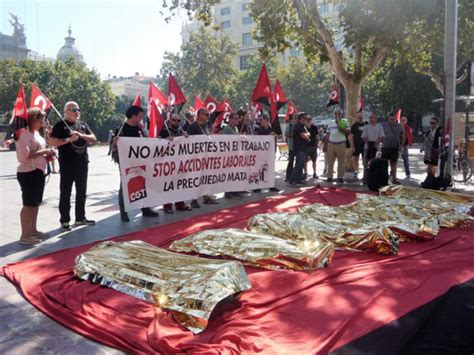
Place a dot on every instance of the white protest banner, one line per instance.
(156, 171)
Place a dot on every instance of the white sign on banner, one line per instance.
(156, 171)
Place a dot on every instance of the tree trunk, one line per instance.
(352, 91)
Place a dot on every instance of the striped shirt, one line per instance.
(373, 133)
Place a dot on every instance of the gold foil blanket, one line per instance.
(188, 286)
(259, 249)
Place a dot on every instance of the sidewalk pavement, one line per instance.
(24, 329)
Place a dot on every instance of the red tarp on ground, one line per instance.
(284, 312)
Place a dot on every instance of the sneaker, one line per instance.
(195, 204)
(408, 176)
(315, 176)
(66, 227)
(340, 181)
(85, 222)
(257, 190)
(124, 217)
(210, 201)
(274, 189)
(396, 182)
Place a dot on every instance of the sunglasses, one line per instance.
(175, 120)
(75, 109)
(432, 122)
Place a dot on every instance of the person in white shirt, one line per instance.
(31, 154)
(336, 148)
(373, 135)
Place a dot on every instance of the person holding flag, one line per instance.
(31, 154)
(72, 136)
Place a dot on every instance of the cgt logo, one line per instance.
(136, 182)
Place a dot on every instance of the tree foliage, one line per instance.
(203, 66)
(60, 82)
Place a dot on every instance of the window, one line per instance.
(225, 11)
(246, 20)
(245, 7)
(225, 24)
(247, 39)
(244, 62)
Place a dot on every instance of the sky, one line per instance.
(116, 37)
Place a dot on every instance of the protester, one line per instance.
(301, 138)
(337, 147)
(373, 136)
(31, 153)
(431, 146)
(392, 144)
(264, 129)
(200, 127)
(245, 125)
(169, 132)
(232, 126)
(408, 144)
(109, 141)
(358, 146)
(72, 136)
(190, 118)
(289, 140)
(130, 128)
(312, 145)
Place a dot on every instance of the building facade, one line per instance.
(14, 46)
(232, 18)
(130, 86)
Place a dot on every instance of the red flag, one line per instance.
(398, 115)
(19, 114)
(333, 97)
(197, 104)
(224, 106)
(263, 89)
(273, 109)
(155, 95)
(210, 104)
(156, 121)
(38, 99)
(280, 98)
(176, 98)
(291, 110)
(138, 101)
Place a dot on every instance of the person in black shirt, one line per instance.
(130, 128)
(301, 138)
(358, 147)
(169, 132)
(312, 144)
(200, 127)
(72, 137)
(189, 120)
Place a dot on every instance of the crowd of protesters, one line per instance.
(70, 137)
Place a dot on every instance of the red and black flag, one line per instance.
(290, 110)
(333, 97)
(176, 98)
(197, 105)
(158, 100)
(263, 89)
(280, 98)
(223, 111)
(19, 118)
(38, 99)
(138, 101)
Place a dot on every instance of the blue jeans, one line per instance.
(297, 174)
(406, 162)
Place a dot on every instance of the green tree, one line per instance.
(60, 82)
(203, 66)
(423, 43)
(393, 86)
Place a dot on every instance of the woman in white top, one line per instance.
(31, 153)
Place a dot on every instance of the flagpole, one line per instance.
(60, 116)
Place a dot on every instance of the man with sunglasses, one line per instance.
(173, 129)
(200, 127)
(72, 136)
